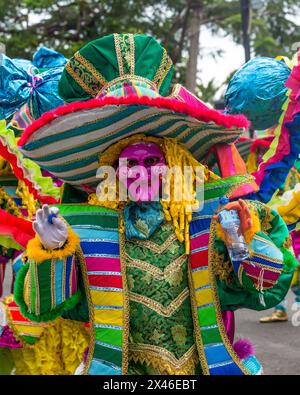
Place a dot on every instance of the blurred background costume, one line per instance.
(271, 101)
(27, 89)
(138, 288)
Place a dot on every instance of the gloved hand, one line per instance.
(52, 235)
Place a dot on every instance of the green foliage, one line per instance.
(207, 91)
(272, 30)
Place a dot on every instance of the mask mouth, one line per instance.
(143, 193)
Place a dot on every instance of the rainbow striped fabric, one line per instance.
(25, 329)
(218, 356)
(98, 229)
(42, 296)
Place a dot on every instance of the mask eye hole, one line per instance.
(132, 162)
(152, 160)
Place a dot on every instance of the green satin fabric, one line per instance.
(174, 333)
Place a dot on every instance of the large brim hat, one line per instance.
(121, 81)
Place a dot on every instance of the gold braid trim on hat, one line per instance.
(176, 154)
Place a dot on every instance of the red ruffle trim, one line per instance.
(18, 229)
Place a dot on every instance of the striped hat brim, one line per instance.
(243, 145)
(68, 141)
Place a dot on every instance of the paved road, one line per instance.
(277, 344)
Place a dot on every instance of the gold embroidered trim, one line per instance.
(132, 54)
(125, 338)
(145, 118)
(163, 359)
(150, 245)
(27, 290)
(225, 339)
(266, 280)
(128, 77)
(164, 68)
(79, 81)
(266, 222)
(158, 307)
(95, 73)
(6, 301)
(263, 240)
(37, 294)
(8, 203)
(266, 257)
(287, 243)
(240, 274)
(52, 283)
(119, 53)
(155, 271)
(221, 268)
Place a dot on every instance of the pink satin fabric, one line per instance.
(229, 323)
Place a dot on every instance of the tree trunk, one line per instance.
(194, 33)
(246, 26)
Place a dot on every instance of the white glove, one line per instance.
(52, 235)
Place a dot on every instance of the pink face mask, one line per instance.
(140, 168)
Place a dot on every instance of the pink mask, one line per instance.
(140, 166)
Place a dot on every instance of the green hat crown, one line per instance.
(115, 59)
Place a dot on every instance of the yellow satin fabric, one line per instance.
(291, 212)
(58, 352)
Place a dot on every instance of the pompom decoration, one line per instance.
(244, 348)
(258, 91)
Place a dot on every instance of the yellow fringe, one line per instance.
(176, 154)
(59, 351)
(37, 253)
